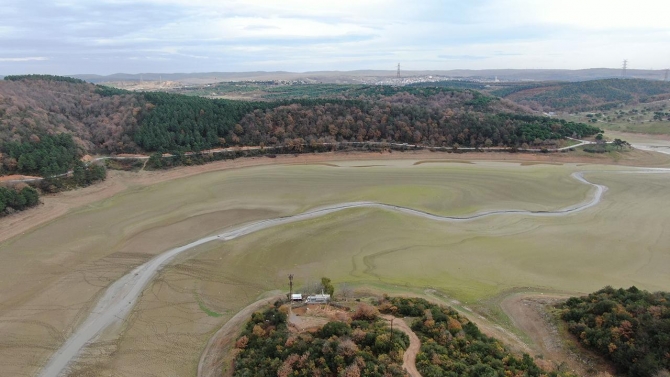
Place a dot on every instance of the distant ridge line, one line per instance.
(344, 76)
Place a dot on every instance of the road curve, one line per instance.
(120, 297)
(409, 358)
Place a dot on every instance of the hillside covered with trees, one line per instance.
(34, 106)
(585, 95)
(34, 109)
(363, 347)
(452, 346)
(629, 327)
(360, 344)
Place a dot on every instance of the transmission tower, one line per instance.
(398, 75)
(625, 65)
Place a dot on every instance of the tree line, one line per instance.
(44, 78)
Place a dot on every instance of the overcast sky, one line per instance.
(110, 36)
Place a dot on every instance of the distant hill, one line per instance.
(585, 95)
(356, 76)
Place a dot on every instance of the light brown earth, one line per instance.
(529, 313)
(217, 357)
(15, 177)
(34, 318)
(117, 181)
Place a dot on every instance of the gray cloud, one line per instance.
(108, 36)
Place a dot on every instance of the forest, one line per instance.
(271, 90)
(97, 121)
(585, 95)
(426, 116)
(35, 109)
(452, 346)
(362, 347)
(629, 327)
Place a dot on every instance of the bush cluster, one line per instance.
(363, 347)
(629, 327)
(452, 346)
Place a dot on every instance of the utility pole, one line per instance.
(398, 75)
(625, 65)
(290, 287)
(392, 330)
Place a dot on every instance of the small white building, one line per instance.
(318, 299)
(296, 297)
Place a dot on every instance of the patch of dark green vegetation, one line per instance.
(108, 91)
(366, 92)
(82, 175)
(125, 164)
(508, 89)
(44, 78)
(364, 347)
(629, 327)
(45, 155)
(587, 95)
(13, 199)
(451, 84)
(452, 346)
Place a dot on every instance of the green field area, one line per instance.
(478, 259)
(53, 275)
(649, 127)
(650, 118)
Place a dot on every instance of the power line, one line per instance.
(625, 65)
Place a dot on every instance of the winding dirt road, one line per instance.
(122, 295)
(409, 358)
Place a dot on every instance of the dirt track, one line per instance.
(214, 356)
(528, 313)
(409, 358)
